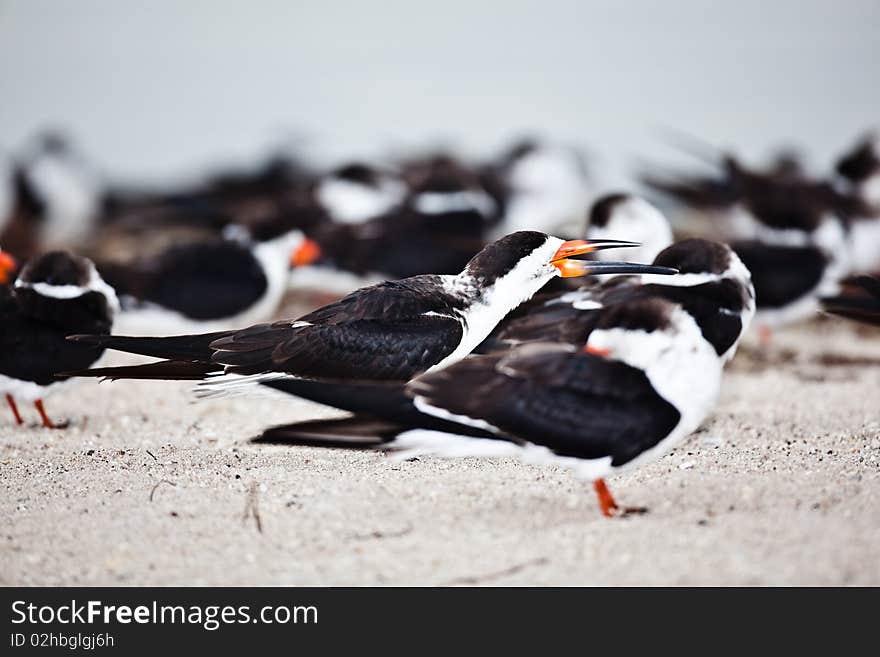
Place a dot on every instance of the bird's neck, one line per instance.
(501, 295)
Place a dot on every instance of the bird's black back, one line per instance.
(33, 330)
(206, 281)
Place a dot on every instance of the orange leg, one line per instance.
(609, 505)
(606, 500)
(765, 333)
(46, 421)
(11, 402)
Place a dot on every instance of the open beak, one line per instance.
(570, 268)
(305, 254)
(579, 247)
(8, 267)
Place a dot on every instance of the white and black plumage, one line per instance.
(55, 295)
(712, 285)
(627, 214)
(789, 230)
(54, 198)
(645, 379)
(210, 285)
(445, 206)
(357, 192)
(859, 170)
(859, 300)
(546, 187)
(390, 331)
(859, 175)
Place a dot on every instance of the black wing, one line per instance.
(390, 331)
(781, 274)
(701, 193)
(574, 403)
(860, 300)
(201, 281)
(34, 349)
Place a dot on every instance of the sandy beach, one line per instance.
(149, 487)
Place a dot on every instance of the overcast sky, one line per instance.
(158, 88)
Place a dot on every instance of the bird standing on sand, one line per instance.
(390, 331)
(645, 379)
(55, 295)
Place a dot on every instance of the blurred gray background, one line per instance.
(159, 89)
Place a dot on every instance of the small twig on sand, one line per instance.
(252, 507)
(488, 577)
(153, 455)
(159, 483)
(377, 534)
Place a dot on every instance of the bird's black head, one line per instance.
(358, 172)
(861, 162)
(696, 256)
(649, 314)
(603, 209)
(440, 173)
(66, 290)
(57, 268)
(502, 256)
(714, 287)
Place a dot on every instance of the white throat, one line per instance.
(489, 306)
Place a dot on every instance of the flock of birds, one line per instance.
(460, 332)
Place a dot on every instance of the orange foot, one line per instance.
(765, 334)
(609, 506)
(46, 421)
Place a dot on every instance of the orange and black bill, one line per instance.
(306, 253)
(8, 267)
(569, 268)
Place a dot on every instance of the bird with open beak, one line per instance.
(391, 331)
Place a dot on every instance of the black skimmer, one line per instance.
(391, 331)
(789, 230)
(357, 192)
(859, 176)
(547, 187)
(627, 214)
(55, 198)
(644, 380)
(859, 300)
(212, 285)
(859, 170)
(55, 295)
(712, 285)
(446, 207)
